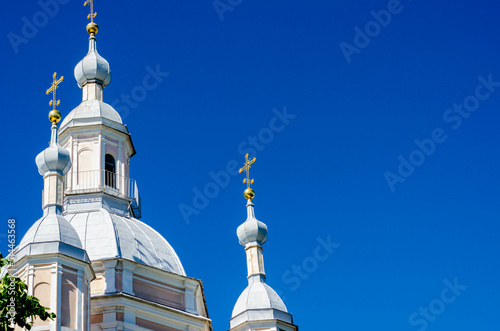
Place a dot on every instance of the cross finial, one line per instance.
(246, 168)
(54, 115)
(92, 13)
(53, 88)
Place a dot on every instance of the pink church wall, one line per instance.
(69, 297)
(97, 318)
(41, 289)
(149, 291)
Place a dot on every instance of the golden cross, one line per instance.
(92, 14)
(53, 88)
(246, 168)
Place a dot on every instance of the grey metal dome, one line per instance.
(252, 230)
(90, 110)
(54, 158)
(93, 67)
(50, 228)
(51, 234)
(258, 296)
(105, 235)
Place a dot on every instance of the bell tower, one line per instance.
(98, 141)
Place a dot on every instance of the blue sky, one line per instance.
(374, 124)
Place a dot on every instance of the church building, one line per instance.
(92, 261)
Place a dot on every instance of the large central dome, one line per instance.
(105, 236)
(99, 195)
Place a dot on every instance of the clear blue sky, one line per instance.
(353, 163)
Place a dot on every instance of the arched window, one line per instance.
(110, 170)
(42, 291)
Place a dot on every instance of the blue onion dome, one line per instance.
(252, 230)
(54, 159)
(93, 67)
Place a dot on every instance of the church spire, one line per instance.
(53, 162)
(259, 306)
(92, 73)
(252, 233)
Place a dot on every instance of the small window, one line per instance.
(110, 173)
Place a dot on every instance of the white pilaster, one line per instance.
(110, 276)
(74, 158)
(109, 315)
(190, 295)
(80, 302)
(55, 295)
(102, 152)
(70, 176)
(96, 153)
(88, 305)
(128, 277)
(119, 170)
(30, 282)
(129, 316)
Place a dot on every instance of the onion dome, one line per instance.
(93, 67)
(54, 159)
(252, 230)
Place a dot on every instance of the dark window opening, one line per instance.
(110, 173)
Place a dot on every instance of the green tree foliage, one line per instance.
(16, 306)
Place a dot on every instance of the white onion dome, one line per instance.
(93, 67)
(54, 159)
(252, 230)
